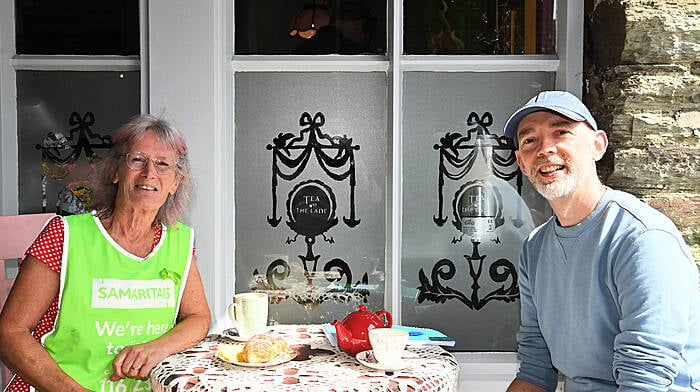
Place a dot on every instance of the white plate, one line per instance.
(281, 358)
(237, 338)
(232, 334)
(367, 358)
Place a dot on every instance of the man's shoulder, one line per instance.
(541, 232)
(636, 212)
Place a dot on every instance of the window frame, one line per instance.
(11, 63)
(482, 371)
(214, 217)
(567, 64)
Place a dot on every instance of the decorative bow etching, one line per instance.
(56, 148)
(458, 155)
(293, 153)
(311, 212)
(59, 154)
(455, 167)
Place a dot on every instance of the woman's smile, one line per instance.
(142, 186)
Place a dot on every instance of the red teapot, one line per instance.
(353, 332)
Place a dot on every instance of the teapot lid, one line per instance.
(361, 314)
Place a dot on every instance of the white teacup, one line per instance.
(248, 312)
(388, 344)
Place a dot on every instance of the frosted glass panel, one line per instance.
(466, 210)
(64, 123)
(310, 191)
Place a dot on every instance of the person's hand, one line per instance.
(135, 361)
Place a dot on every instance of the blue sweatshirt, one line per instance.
(611, 303)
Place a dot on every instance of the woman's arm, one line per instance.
(34, 289)
(191, 327)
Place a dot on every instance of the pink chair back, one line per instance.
(17, 232)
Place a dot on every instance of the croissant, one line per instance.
(262, 348)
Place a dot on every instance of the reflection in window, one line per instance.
(65, 120)
(81, 27)
(466, 208)
(348, 27)
(479, 27)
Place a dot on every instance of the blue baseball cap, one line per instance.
(561, 102)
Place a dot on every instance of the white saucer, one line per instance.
(367, 358)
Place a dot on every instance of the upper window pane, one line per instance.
(78, 27)
(479, 27)
(270, 27)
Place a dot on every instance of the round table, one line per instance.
(318, 367)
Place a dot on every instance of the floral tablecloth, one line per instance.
(317, 367)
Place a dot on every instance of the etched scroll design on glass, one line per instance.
(59, 154)
(500, 271)
(311, 212)
(454, 166)
(480, 162)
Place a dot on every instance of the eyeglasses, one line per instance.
(138, 160)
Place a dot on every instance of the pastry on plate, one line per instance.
(262, 348)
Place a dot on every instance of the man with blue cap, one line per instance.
(608, 287)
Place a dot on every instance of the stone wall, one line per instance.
(642, 83)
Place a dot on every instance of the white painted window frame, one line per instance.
(10, 63)
(478, 371)
(184, 40)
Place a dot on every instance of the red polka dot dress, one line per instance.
(48, 247)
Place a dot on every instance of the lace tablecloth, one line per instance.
(318, 367)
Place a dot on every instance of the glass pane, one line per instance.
(310, 185)
(466, 210)
(310, 27)
(479, 27)
(81, 27)
(64, 123)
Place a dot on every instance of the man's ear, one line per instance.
(600, 144)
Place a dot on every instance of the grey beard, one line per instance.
(556, 189)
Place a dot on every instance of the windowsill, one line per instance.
(486, 371)
(75, 63)
(374, 63)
